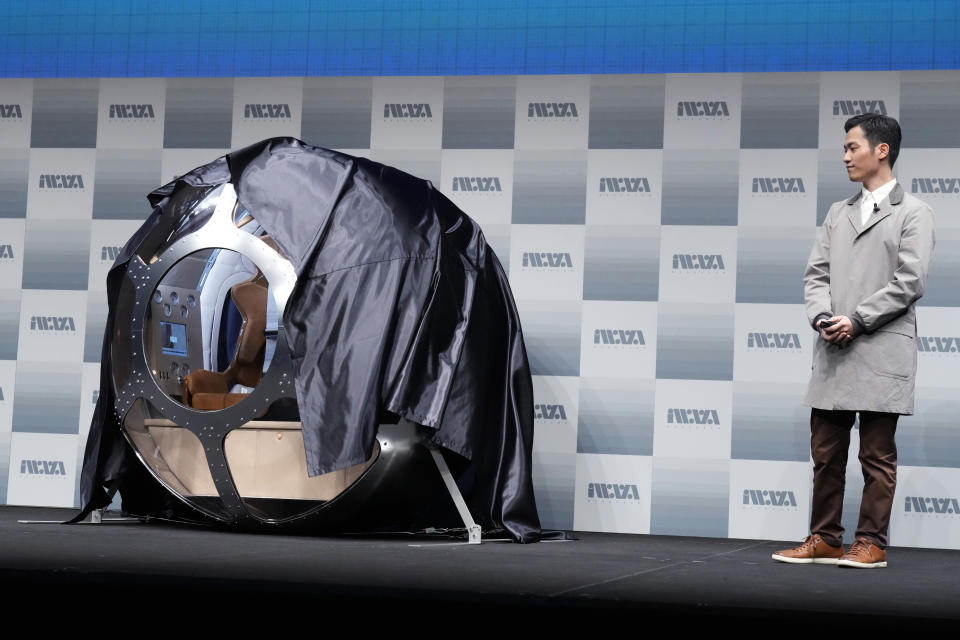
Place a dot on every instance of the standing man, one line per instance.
(867, 269)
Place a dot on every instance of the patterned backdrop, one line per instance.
(655, 229)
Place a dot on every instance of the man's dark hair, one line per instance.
(877, 129)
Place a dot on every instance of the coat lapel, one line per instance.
(853, 212)
(886, 207)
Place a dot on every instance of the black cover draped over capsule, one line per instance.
(400, 306)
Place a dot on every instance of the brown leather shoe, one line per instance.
(813, 551)
(863, 554)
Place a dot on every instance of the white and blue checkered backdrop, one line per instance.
(655, 229)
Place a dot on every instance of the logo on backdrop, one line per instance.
(934, 506)
(714, 109)
(547, 261)
(407, 111)
(49, 325)
(698, 262)
(549, 413)
(43, 468)
(6, 253)
(132, 112)
(624, 186)
(773, 342)
(777, 186)
(1, 394)
(471, 183)
(94, 395)
(703, 418)
(612, 492)
(846, 108)
(109, 253)
(553, 110)
(770, 498)
(61, 182)
(624, 338)
(280, 111)
(11, 112)
(938, 344)
(935, 186)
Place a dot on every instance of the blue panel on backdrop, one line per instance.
(202, 38)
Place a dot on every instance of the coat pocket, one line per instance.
(905, 325)
(889, 353)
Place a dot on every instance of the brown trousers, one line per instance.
(829, 442)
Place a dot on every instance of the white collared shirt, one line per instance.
(868, 199)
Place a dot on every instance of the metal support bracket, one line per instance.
(473, 529)
(95, 517)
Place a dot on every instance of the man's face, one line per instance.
(861, 161)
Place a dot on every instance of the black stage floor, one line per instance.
(685, 582)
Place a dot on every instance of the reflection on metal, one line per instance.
(235, 453)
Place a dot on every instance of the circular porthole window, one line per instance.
(203, 375)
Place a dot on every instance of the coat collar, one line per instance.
(886, 208)
(896, 195)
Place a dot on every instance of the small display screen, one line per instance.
(173, 338)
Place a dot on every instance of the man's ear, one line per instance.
(883, 150)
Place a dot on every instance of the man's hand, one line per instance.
(840, 333)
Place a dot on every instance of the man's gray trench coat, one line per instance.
(873, 274)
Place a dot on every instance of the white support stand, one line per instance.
(473, 529)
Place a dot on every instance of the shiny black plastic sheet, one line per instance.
(400, 306)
